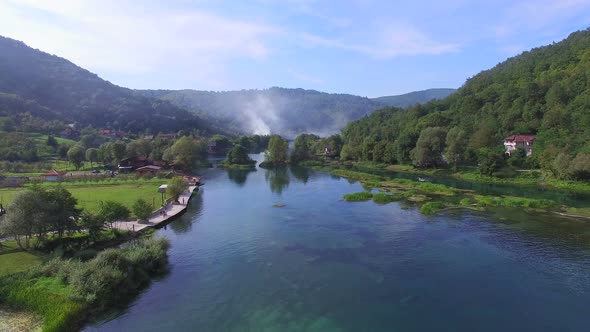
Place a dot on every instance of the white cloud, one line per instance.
(124, 37)
(390, 41)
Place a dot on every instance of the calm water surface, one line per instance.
(238, 263)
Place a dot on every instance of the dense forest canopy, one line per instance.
(36, 86)
(544, 92)
(288, 112)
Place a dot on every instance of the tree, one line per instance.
(92, 155)
(429, 147)
(176, 187)
(111, 211)
(456, 143)
(517, 158)
(302, 148)
(238, 155)
(490, 160)
(580, 167)
(39, 212)
(62, 151)
(140, 147)
(93, 224)
(118, 150)
(277, 150)
(60, 212)
(185, 153)
(142, 209)
(23, 218)
(52, 142)
(76, 156)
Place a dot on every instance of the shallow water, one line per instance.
(238, 263)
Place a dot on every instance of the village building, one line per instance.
(515, 142)
(130, 164)
(171, 136)
(53, 176)
(148, 170)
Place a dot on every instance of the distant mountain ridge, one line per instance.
(53, 88)
(415, 97)
(285, 111)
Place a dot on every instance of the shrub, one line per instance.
(383, 198)
(465, 202)
(431, 208)
(142, 209)
(358, 197)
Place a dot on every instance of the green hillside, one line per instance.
(415, 97)
(544, 92)
(40, 92)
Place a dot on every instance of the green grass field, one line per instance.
(90, 195)
(13, 260)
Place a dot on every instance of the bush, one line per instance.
(383, 198)
(142, 209)
(465, 202)
(431, 208)
(358, 197)
(63, 291)
(111, 211)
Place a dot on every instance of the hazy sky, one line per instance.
(364, 47)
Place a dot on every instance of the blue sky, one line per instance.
(364, 47)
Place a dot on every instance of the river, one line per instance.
(241, 261)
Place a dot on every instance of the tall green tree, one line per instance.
(456, 144)
(276, 153)
(76, 156)
(118, 150)
(92, 155)
(238, 155)
(429, 148)
(176, 187)
(303, 148)
(186, 152)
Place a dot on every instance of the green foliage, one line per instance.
(176, 187)
(42, 91)
(303, 148)
(384, 198)
(76, 155)
(358, 197)
(430, 208)
(514, 202)
(238, 155)
(354, 175)
(142, 209)
(65, 291)
(429, 147)
(186, 152)
(33, 214)
(277, 151)
(118, 150)
(542, 92)
(111, 211)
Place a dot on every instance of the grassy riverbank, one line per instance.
(89, 194)
(64, 292)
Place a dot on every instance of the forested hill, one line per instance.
(36, 87)
(545, 91)
(415, 97)
(281, 110)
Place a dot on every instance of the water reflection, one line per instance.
(185, 223)
(239, 176)
(278, 178)
(301, 173)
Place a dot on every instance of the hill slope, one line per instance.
(545, 91)
(286, 111)
(415, 97)
(52, 88)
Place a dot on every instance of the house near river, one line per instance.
(515, 142)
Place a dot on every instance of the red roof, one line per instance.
(53, 173)
(520, 138)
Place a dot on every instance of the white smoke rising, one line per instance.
(261, 115)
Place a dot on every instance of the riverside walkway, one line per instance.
(172, 210)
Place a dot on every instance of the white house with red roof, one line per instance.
(514, 142)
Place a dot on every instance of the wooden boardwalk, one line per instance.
(172, 210)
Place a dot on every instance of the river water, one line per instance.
(240, 261)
